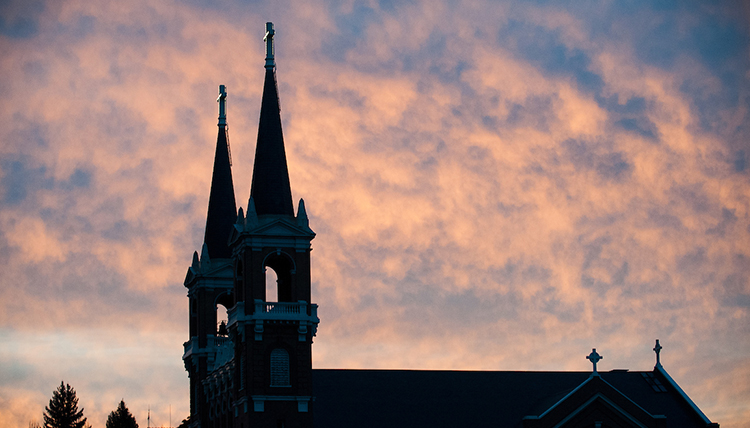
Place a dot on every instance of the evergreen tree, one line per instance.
(62, 411)
(121, 418)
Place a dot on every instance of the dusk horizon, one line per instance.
(494, 186)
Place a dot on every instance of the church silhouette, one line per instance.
(255, 370)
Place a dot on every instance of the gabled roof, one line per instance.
(270, 187)
(222, 208)
(410, 398)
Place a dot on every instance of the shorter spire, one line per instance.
(222, 207)
(270, 62)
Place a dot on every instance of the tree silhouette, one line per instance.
(121, 418)
(185, 423)
(62, 411)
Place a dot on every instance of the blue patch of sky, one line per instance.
(562, 311)
(634, 105)
(20, 180)
(630, 116)
(641, 126)
(732, 290)
(80, 178)
(610, 166)
(740, 161)
(350, 29)
(535, 111)
(728, 218)
(19, 19)
(543, 48)
(662, 218)
(710, 33)
(692, 261)
(431, 57)
(601, 287)
(78, 28)
(613, 166)
(593, 251)
(716, 40)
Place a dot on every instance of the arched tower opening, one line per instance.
(272, 285)
(279, 278)
(224, 302)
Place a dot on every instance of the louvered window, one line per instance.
(279, 367)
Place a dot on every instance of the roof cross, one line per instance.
(270, 63)
(657, 349)
(594, 357)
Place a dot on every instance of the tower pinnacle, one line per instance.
(222, 208)
(270, 187)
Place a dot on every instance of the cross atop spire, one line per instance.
(222, 100)
(270, 63)
(594, 357)
(657, 349)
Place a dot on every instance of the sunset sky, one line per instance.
(494, 186)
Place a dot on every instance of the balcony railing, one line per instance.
(213, 344)
(277, 311)
(284, 310)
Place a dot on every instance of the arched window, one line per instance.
(279, 367)
(272, 285)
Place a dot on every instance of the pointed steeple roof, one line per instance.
(222, 208)
(270, 187)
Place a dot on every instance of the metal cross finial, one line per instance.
(594, 357)
(222, 100)
(270, 63)
(657, 349)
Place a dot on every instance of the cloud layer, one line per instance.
(497, 186)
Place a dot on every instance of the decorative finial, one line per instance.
(594, 357)
(222, 100)
(270, 63)
(302, 219)
(657, 349)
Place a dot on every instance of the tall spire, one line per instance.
(222, 208)
(270, 188)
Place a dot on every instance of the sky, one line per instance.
(494, 186)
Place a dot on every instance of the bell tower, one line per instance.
(210, 280)
(272, 339)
